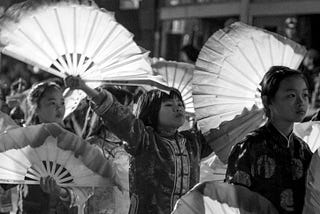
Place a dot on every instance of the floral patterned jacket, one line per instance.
(162, 169)
(273, 165)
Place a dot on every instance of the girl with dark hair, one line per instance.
(272, 160)
(47, 106)
(164, 163)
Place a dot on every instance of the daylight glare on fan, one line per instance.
(74, 38)
(177, 75)
(29, 153)
(223, 198)
(228, 71)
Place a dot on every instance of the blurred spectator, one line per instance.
(310, 67)
(291, 31)
(188, 54)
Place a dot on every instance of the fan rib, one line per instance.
(69, 63)
(63, 174)
(182, 80)
(270, 50)
(74, 56)
(115, 52)
(15, 160)
(54, 170)
(283, 55)
(260, 59)
(103, 42)
(41, 50)
(37, 170)
(122, 63)
(43, 169)
(175, 74)
(62, 166)
(185, 86)
(65, 180)
(63, 64)
(34, 177)
(22, 174)
(247, 59)
(249, 63)
(81, 68)
(167, 75)
(219, 40)
(47, 161)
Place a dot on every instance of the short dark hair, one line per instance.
(149, 104)
(271, 81)
(35, 95)
(97, 125)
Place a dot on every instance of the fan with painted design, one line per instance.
(74, 38)
(29, 153)
(226, 80)
(177, 75)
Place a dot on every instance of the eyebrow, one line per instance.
(291, 89)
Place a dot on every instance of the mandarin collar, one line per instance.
(276, 133)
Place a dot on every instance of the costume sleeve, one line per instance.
(312, 196)
(239, 165)
(77, 196)
(124, 124)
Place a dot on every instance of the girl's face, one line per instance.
(51, 107)
(290, 102)
(171, 114)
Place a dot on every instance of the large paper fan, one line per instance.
(226, 80)
(230, 67)
(310, 133)
(74, 38)
(177, 75)
(223, 198)
(29, 153)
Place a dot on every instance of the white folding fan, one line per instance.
(29, 153)
(228, 71)
(310, 133)
(177, 75)
(6, 122)
(223, 198)
(74, 38)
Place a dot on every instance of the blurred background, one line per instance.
(165, 26)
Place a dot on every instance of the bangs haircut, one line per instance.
(37, 91)
(149, 105)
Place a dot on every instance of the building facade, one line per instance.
(194, 21)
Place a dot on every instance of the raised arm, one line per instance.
(119, 119)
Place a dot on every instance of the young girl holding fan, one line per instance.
(272, 160)
(165, 162)
(47, 106)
